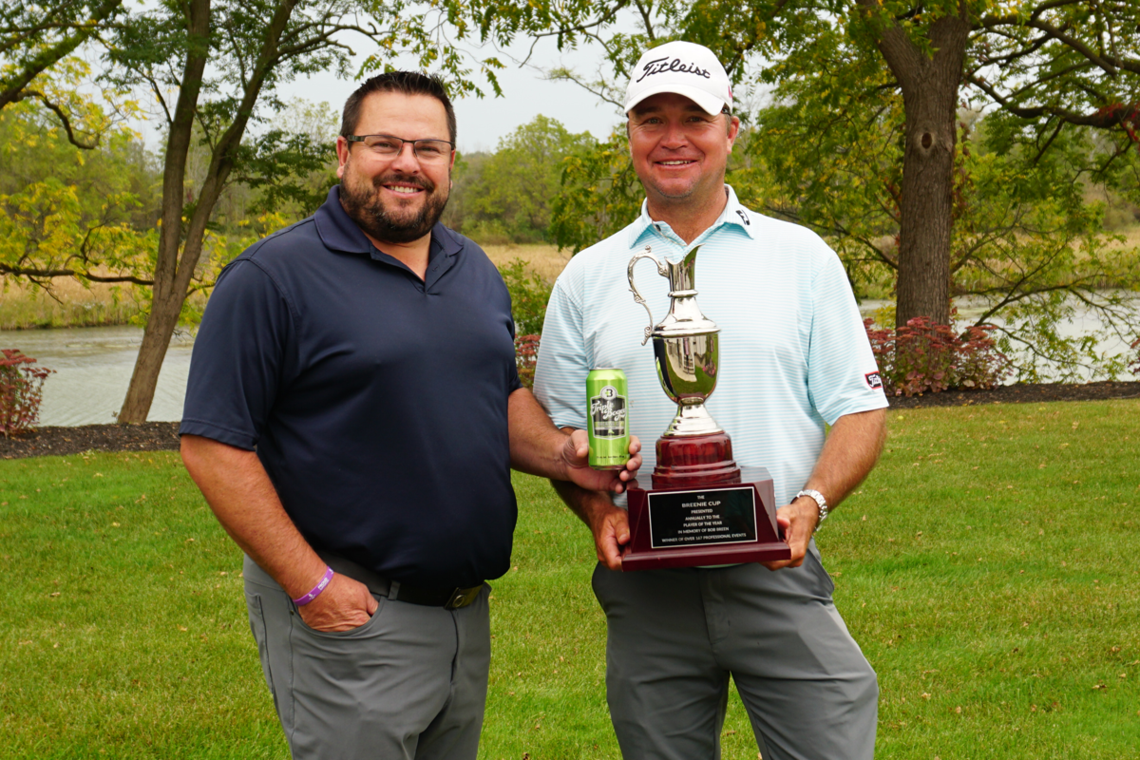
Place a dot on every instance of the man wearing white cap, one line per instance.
(794, 360)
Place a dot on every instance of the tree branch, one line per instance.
(34, 272)
(63, 118)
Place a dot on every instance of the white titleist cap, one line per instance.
(683, 68)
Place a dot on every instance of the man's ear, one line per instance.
(341, 156)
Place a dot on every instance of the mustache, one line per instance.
(423, 183)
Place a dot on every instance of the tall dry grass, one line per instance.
(67, 303)
(544, 260)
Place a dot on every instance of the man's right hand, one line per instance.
(343, 605)
(610, 526)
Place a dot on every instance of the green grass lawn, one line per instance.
(989, 568)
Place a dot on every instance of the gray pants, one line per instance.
(676, 636)
(409, 683)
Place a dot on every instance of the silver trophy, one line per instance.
(702, 508)
(684, 345)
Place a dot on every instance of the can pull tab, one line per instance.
(661, 270)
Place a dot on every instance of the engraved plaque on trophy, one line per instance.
(702, 509)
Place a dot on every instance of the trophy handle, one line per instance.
(661, 270)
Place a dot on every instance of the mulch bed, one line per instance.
(60, 441)
(1023, 394)
(163, 436)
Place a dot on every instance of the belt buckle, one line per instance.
(461, 597)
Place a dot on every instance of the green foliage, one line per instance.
(37, 38)
(288, 172)
(529, 295)
(63, 210)
(1027, 248)
(468, 168)
(830, 148)
(511, 194)
(21, 391)
(600, 195)
(92, 214)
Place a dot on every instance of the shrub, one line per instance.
(526, 356)
(21, 390)
(1135, 365)
(921, 357)
(529, 294)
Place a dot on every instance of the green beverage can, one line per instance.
(607, 394)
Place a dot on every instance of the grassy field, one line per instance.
(987, 568)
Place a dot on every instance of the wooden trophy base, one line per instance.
(702, 509)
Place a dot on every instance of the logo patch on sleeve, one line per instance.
(874, 380)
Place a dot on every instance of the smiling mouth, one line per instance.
(404, 189)
(676, 162)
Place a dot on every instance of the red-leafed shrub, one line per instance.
(526, 356)
(924, 358)
(21, 389)
(1135, 365)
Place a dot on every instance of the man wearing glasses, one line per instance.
(352, 414)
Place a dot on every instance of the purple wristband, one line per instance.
(302, 601)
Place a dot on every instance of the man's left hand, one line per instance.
(576, 455)
(797, 521)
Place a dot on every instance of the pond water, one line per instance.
(93, 367)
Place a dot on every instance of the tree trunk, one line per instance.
(156, 339)
(166, 303)
(930, 99)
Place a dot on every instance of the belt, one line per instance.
(448, 598)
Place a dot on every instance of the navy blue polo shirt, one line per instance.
(376, 401)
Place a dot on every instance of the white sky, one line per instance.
(483, 122)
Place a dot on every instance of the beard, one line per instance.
(362, 202)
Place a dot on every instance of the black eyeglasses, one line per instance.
(427, 151)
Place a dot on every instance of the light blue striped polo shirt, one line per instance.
(793, 350)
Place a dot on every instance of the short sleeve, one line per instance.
(842, 373)
(560, 376)
(239, 358)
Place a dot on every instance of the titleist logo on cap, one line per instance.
(659, 66)
(681, 68)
